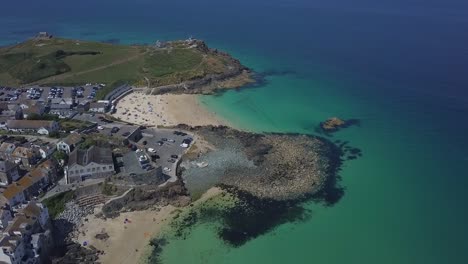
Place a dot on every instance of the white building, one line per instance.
(98, 107)
(94, 163)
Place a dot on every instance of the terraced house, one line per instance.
(31, 184)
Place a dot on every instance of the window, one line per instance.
(88, 170)
(110, 167)
(81, 170)
(94, 169)
(103, 168)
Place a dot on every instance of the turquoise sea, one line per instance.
(400, 67)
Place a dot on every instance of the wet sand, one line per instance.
(128, 241)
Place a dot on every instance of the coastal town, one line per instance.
(92, 172)
(58, 140)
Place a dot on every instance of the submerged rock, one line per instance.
(332, 124)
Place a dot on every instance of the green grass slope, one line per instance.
(72, 62)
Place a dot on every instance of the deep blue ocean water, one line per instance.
(398, 66)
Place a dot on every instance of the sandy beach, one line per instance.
(165, 110)
(128, 241)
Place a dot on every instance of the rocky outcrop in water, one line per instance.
(272, 166)
(334, 124)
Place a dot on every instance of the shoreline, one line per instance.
(166, 110)
(129, 241)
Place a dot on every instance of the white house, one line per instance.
(69, 143)
(46, 149)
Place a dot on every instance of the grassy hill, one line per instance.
(70, 62)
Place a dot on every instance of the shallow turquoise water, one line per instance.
(398, 66)
(403, 201)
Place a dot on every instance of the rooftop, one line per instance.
(28, 124)
(33, 209)
(97, 105)
(20, 223)
(23, 152)
(7, 147)
(10, 242)
(27, 180)
(6, 165)
(73, 138)
(93, 154)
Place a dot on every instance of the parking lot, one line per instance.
(166, 145)
(47, 93)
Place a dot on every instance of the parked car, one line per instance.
(174, 156)
(152, 150)
(171, 160)
(166, 169)
(115, 130)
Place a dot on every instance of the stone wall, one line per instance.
(116, 204)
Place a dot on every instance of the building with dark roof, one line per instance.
(91, 163)
(43, 127)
